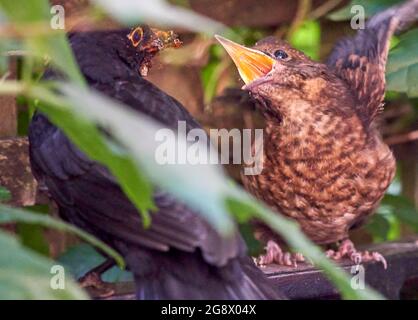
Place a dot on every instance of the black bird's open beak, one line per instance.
(251, 64)
(153, 40)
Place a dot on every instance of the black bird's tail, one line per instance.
(178, 275)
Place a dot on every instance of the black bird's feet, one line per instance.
(92, 280)
(274, 254)
(347, 250)
(95, 285)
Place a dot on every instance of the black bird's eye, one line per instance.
(136, 36)
(280, 54)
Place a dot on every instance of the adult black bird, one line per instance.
(180, 256)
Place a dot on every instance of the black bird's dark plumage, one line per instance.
(180, 256)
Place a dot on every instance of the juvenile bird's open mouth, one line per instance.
(251, 64)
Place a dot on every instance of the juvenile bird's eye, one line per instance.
(280, 54)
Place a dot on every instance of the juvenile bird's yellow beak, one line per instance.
(251, 64)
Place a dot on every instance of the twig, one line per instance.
(5, 76)
(323, 9)
(304, 6)
(402, 138)
(79, 23)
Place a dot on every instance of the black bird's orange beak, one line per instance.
(251, 64)
(153, 40)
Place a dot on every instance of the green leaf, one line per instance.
(4, 194)
(9, 214)
(402, 67)
(370, 7)
(159, 12)
(52, 44)
(379, 227)
(32, 236)
(27, 275)
(403, 208)
(307, 38)
(254, 246)
(210, 78)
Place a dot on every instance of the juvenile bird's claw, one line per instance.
(275, 255)
(347, 250)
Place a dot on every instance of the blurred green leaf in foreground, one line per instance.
(9, 215)
(27, 275)
(24, 274)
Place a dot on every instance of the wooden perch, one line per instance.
(307, 282)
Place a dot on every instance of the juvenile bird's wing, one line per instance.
(361, 60)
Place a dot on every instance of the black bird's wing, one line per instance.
(77, 181)
(361, 60)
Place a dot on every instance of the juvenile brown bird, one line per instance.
(324, 163)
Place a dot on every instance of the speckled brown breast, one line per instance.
(329, 176)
